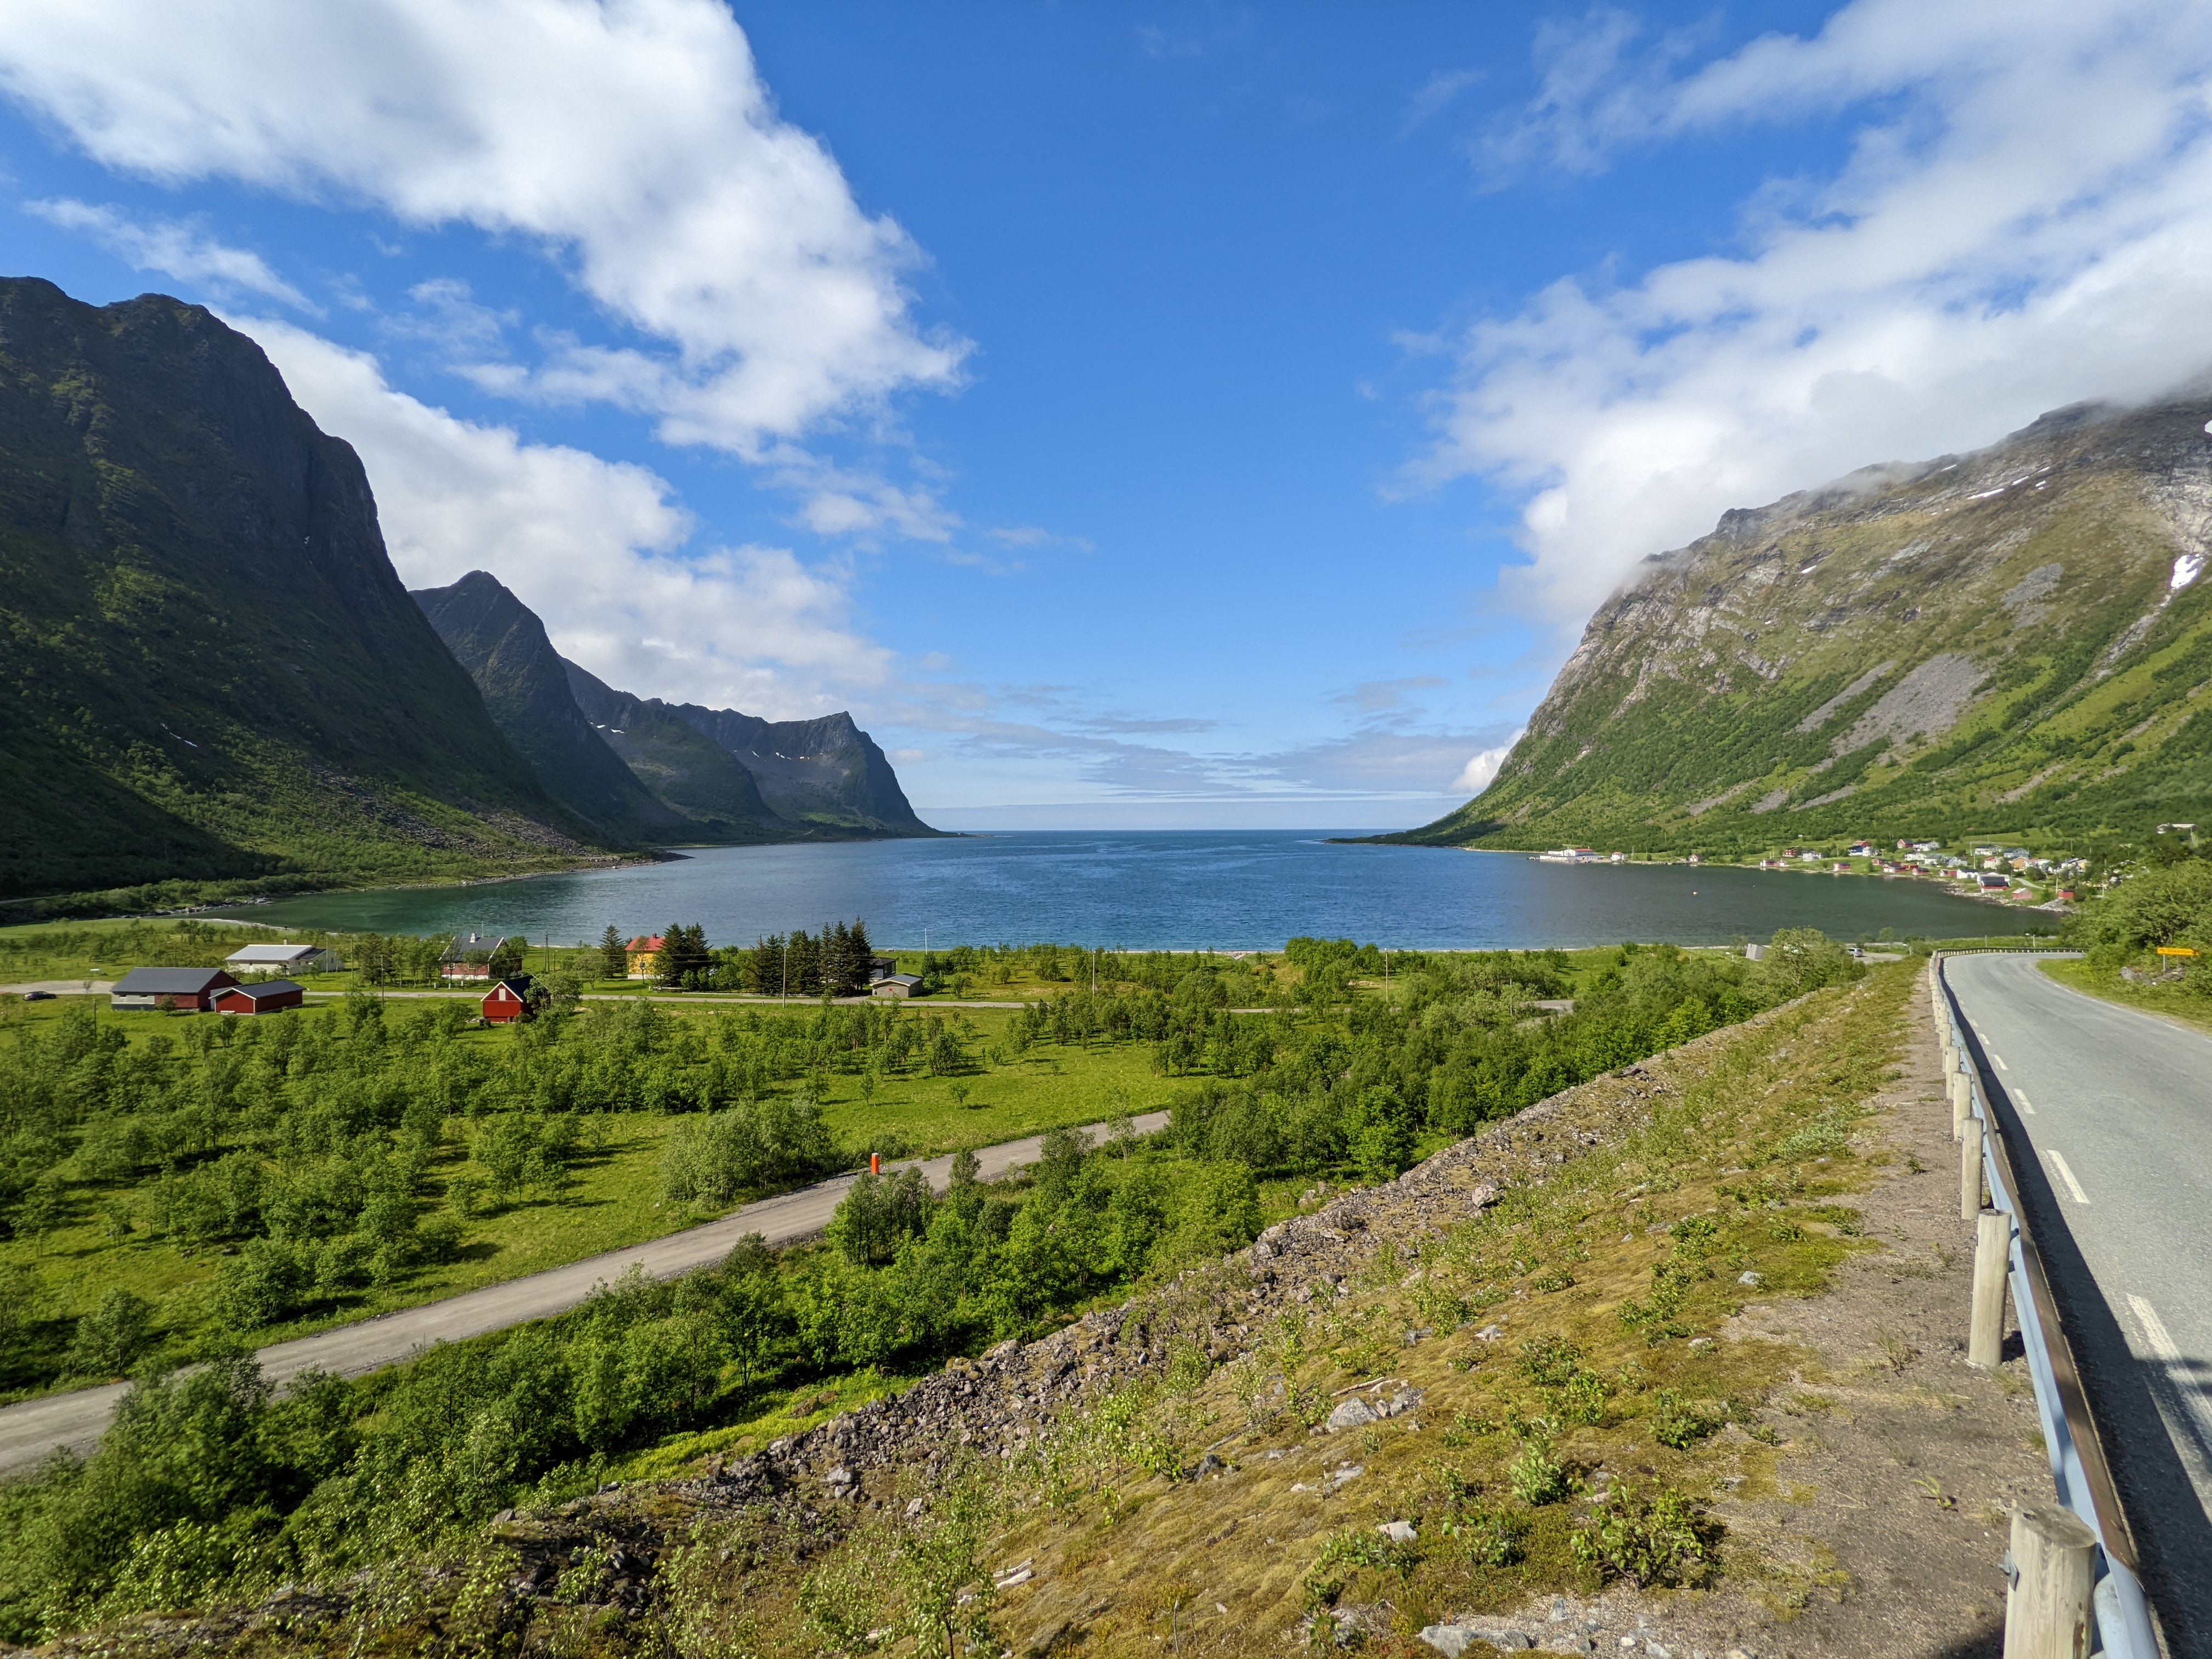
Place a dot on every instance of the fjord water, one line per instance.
(1162, 889)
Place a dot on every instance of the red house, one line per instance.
(508, 1002)
(264, 997)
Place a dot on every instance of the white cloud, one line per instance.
(1481, 769)
(633, 140)
(176, 249)
(1440, 91)
(597, 548)
(2024, 220)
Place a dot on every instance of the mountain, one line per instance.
(525, 684)
(826, 772)
(2015, 641)
(639, 769)
(688, 771)
(209, 670)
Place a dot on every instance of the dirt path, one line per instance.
(30, 1429)
(1901, 1460)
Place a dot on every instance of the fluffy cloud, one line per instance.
(182, 251)
(1481, 769)
(633, 140)
(597, 548)
(2024, 220)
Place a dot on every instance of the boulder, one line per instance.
(1353, 1414)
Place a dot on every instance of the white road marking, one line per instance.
(2058, 1162)
(2154, 1331)
(1999, 1058)
(2022, 1100)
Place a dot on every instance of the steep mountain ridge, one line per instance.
(209, 669)
(826, 772)
(690, 772)
(640, 769)
(525, 687)
(2013, 641)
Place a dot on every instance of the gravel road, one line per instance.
(31, 1430)
(2109, 1115)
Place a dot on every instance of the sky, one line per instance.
(1136, 416)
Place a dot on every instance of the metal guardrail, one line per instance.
(2078, 1469)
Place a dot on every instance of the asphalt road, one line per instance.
(2109, 1115)
(31, 1430)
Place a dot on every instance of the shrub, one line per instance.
(1488, 1538)
(269, 1279)
(1649, 1541)
(1345, 1553)
(1582, 1400)
(1538, 1477)
(110, 1338)
(1679, 1425)
(1550, 1362)
(1802, 959)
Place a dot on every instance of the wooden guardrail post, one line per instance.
(2054, 1566)
(1970, 1170)
(1992, 1262)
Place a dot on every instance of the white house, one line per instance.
(283, 959)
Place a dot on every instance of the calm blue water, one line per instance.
(1162, 889)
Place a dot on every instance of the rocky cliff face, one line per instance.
(826, 772)
(525, 684)
(209, 670)
(2015, 641)
(642, 770)
(690, 773)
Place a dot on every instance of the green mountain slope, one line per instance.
(689, 771)
(525, 684)
(209, 670)
(826, 772)
(2016, 641)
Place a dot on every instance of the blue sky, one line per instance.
(1136, 416)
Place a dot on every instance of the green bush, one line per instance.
(1348, 1552)
(1488, 1537)
(1660, 1540)
(269, 1280)
(1537, 1475)
(1680, 1425)
(110, 1338)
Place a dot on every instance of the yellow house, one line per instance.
(645, 956)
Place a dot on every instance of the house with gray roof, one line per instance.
(188, 989)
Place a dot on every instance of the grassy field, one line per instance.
(613, 1198)
(2177, 1002)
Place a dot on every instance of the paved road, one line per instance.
(29, 1430)
(2117, 1108)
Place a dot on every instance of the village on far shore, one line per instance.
(1989, 869)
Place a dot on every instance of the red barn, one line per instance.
(190, 990)
(265, 997)
(508, 1001)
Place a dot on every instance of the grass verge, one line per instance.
(2176, 1002)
